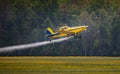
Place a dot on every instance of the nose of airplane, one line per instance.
(86, 26)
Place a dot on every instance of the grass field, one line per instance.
(59, 65)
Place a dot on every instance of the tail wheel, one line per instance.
(79, 36)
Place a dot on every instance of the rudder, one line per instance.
(49, 31)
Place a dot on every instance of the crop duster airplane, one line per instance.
(65, 31)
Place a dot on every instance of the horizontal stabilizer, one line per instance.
(50, 35)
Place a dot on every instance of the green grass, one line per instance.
(59, 65)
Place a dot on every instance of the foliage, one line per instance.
(25, 21)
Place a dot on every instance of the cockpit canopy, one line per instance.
(64, 28)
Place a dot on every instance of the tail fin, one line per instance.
(49, 31)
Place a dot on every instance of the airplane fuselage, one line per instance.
(67, 31)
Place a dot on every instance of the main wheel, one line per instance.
(79, 36)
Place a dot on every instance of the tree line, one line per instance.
(25, 21)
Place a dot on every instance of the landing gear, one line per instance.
(77, 36)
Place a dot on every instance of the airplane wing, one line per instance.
(66, 32)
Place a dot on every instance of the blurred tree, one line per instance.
(24, 21)
(116, 35)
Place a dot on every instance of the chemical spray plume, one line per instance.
(31, 45)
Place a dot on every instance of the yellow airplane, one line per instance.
(65, 31)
